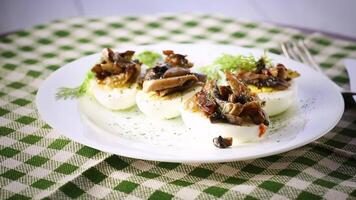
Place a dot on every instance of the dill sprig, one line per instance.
(73, 93)
(231, 63)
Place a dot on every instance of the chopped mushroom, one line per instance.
(232, 104)
(222, 143)
(171, 76)
(176, 60)
(277, 77)
(117, 69)
(166, 83)
(175, 71)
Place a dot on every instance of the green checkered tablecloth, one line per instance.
(37, 162)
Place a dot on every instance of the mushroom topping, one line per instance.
(166, 83)
(176, 60)
(232, 104)
(176, 71)
(222, 143)
(277, 77)
(117, 69)
(155, 72)
(171, 76)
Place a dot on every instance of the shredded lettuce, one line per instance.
(83, 88)
(231, 63)
(71, 93)
(148, 58)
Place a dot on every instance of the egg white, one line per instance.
(114, 98)
(204, 129)
(277, 102)
(163, 107)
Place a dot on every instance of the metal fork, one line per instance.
(297, 50)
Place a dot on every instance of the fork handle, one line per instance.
(349, 93)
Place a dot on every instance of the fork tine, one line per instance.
(299, 51)
(285, 50)
(304, 50)
(289, 49)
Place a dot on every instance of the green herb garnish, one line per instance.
(71, 93)
(230, 63)
(148, 58)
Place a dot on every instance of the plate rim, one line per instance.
(40, 108)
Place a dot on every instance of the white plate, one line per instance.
(319, 106)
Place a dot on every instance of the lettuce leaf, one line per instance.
(148, 58)
(231, 63)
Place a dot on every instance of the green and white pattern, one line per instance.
(36, 162)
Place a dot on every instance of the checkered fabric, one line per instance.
(37, 162)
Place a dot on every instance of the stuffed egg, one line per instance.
(167, 85)
(276, 101)
(274, 85)
(231, 112)
(115, 83)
